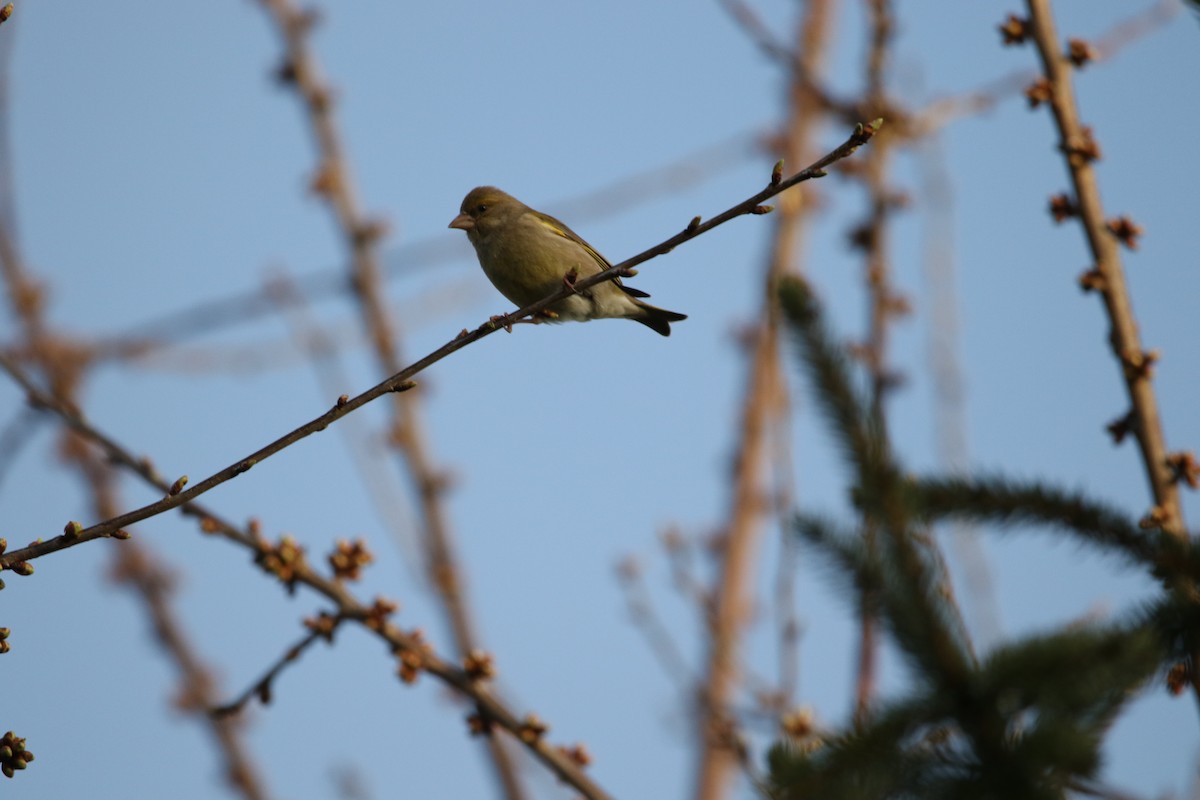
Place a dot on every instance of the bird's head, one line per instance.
(485, 209)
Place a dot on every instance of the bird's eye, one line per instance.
(482, 207)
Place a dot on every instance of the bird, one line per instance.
(528, 255)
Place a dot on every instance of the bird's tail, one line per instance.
(657, 319)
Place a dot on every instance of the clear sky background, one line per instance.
(157, 165)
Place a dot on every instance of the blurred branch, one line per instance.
(901, 571)
(261, 354)
(1095, 789)
(137, 568)
(286, 561)
(801, 67)
(656, 632)
(63, 364)
(361, 236)
(883, 303)
(1134, 28)
(490, 711)
(627, 193)
(177, 495)
(763, 406)
(943, 336)
(322, 351)
(13, 438)
(407, 259)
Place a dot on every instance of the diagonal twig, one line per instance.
(1074, 143)
(322, 627)
(401, 381)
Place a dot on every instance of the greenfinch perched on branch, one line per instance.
(528, 255)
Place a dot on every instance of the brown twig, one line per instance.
(718, 751)
(942, 111)
(1107, 277)
(264, 686)
(401, 381)
(1104, 246)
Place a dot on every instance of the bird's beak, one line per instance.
(462, 222)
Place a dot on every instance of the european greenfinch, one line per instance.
(528, 255)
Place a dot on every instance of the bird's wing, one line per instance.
(559, 228)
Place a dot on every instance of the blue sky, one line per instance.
(157, 165)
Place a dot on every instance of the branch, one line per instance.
(1107, 276)
(401, 381)
(322, 627)
(942, 111)
(361, 237)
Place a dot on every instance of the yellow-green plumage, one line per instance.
(526, 254)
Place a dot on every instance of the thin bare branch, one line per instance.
(14, 436)
(401, 381)
(322, 627)
(1107, 277)
(945, 110)
(1078, 149)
